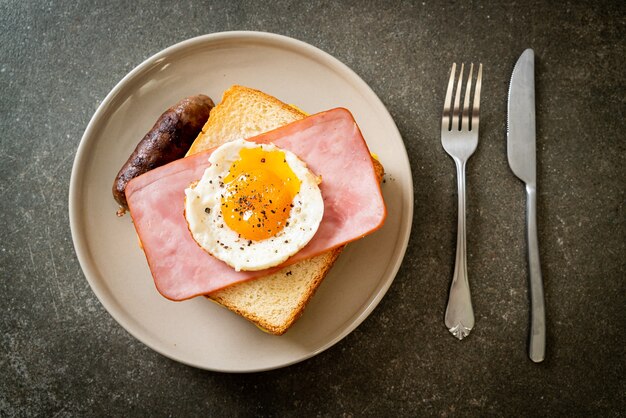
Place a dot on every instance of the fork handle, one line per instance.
(537, 344)
(459, 313)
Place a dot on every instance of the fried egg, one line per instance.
(255, 205)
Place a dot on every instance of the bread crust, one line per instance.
(228, 108)
(280, 329)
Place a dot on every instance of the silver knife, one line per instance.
(521, 152)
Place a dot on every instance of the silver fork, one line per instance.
(459, 137)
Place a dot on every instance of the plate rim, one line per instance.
(75, 216)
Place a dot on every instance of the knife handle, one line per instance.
(537, 346)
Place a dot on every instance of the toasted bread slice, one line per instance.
(272, 302)
(243, 113)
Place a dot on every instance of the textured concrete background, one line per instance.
(61, 354)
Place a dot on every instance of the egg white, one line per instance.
(206, 224)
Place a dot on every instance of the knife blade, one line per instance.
(521, 152)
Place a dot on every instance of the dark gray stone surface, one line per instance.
(61, 354)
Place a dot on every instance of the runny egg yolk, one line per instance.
(260, 188)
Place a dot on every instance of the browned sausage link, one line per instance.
(169, 139)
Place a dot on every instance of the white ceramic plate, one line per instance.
(198, 332)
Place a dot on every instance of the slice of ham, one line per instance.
(332, 146)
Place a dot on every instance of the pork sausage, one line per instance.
(169, 139)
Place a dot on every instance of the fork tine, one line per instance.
(457, 99)
(476, 107)
(445, 119)
(465, 123)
